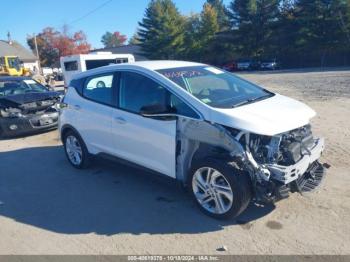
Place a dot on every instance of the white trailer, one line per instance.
(74, 64)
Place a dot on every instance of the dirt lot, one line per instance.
(47, 207)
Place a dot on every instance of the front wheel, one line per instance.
(221, 190)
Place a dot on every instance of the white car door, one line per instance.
(144, 141)
(95, 113)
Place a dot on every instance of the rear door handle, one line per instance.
(120, 120)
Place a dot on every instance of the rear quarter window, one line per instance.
(99, 89)
(71, 66)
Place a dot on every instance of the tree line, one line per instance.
(298, 33)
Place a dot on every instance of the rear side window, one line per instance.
(99, 89)
(71, 66)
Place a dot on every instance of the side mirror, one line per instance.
(158, 111)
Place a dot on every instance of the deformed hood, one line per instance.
(271, 116)
(29, 97)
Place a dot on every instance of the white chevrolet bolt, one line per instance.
(226, 139)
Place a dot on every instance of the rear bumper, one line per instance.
(17, 126)
(288, 174)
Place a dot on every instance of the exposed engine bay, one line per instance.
(285, 149)
(277, 165)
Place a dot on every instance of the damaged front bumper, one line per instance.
(304, 176)
(26, 124)
(288, 174)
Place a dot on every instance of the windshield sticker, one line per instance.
(29, 82)
(186, 74)
(214, 70)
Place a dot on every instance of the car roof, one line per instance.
(13, 78)
(150, 65)
(165, 64)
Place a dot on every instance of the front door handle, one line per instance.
(77, 107)
(120, 120)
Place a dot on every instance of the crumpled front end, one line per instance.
(277, 165)
(284, 163)
(22, 119)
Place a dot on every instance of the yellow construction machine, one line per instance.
(12, 66)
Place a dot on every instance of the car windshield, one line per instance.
(18, 87)
(215, 87)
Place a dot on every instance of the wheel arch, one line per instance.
(66, 128)
(205, 151)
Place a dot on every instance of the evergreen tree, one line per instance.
(192, 38)
(323, 26)
(200, 35)
(285, 33)
(208, 28)
(161, 31)
(134, 40)
(221, 11)
(251, 23)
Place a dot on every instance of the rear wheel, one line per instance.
(76, 151)
(220, 189)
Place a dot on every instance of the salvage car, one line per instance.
(229, 141)
(26, 107)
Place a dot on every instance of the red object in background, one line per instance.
(231, 66)
(64, 43)
(122, 38)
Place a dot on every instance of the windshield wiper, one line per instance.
(252, 100)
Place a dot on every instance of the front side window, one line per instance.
(137, 91)
(215, 87)
(99, 89)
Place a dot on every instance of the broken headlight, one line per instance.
(11, 112)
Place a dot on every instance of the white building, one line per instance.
(13, 48)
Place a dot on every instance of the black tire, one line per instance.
(85, 156)
(239, 181)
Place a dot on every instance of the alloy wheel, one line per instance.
(74, 150)
(212, 190)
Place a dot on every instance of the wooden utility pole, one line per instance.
(37, 53)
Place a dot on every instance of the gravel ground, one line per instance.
(47, 207)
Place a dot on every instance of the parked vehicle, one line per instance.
(247, 64)
(230, 66)
(47, 71)
(26, 107)
(227, 139)
(74, 64)
(270, 64)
